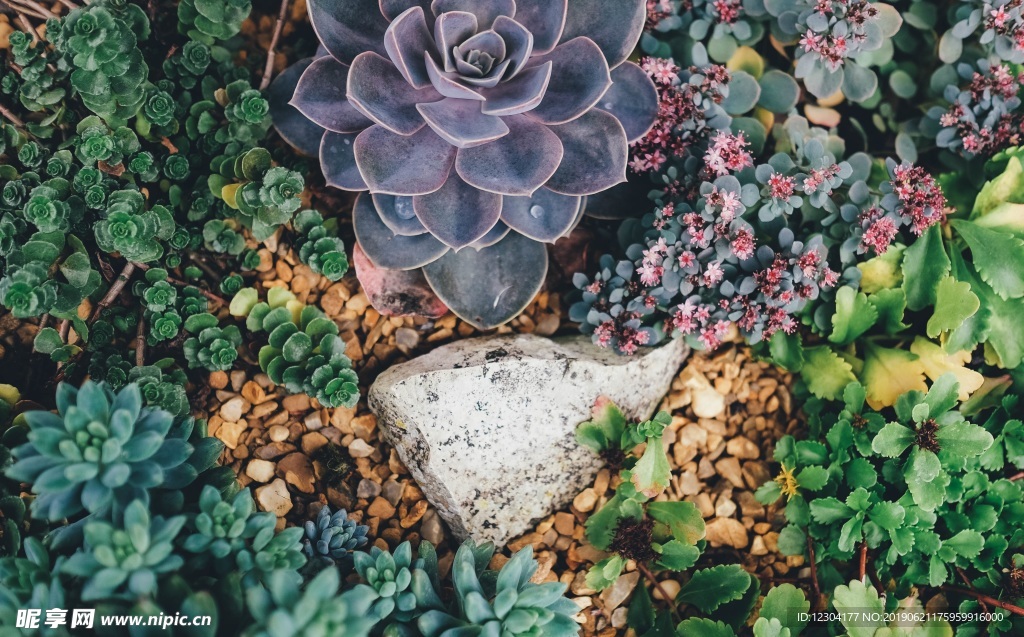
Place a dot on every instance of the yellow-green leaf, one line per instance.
(935, 362)
(888, 373)
(825, 373)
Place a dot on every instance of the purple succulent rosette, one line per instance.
(474, 128)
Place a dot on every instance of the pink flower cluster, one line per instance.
(1002, 21)
(627, 339)
(921, 202)
(833, 48)
(681, 119)
(726, 11)
(998, 85)
(879, 230)
(727, 153)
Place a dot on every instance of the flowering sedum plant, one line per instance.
(477, 128)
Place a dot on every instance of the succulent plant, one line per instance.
(213, 348)
(241, 539)
(281, 610)
(109, 70)
(125, 560)
(102, 450)
(510, 606)
(332, 538)
(303, 351)
(32, 581)
(477, 127)
(131, 229)
(207, 21)
(164, 391)
(324, 254)
(390, 576)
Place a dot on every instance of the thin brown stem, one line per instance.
(140, 341)
(814, 573)
(863, 561)
(1017, 476)
(268, 70)
(20, 11)
(204, 266)
(967, 581)
(998, 603)
(11, 117)
(664, 594)
(114, 291)
(39, 9)
(70, 5)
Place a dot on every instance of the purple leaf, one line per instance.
(494, 235)
(338, 161)
(490, 286)
(491, 79)
(579, 78)
(348, 27)
(320, 96)
(406, 40)
(398, 215)
(394, 8)
(458, 214)
(487, 42)
(484, 10)
(519, 95)
(451, 30)
(545, 19)
(446, 85)
(633, 99)
(518, 42)
(396, 292)
(378, 90)
(517, 164)
(596, 153)
(294, 127)
(399, 165)
(386, 249)
(461, 124)
(615, 25)
(545, 216)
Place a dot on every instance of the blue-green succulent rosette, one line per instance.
(474, 129)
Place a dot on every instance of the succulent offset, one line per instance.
(332, 537)
(477, 127)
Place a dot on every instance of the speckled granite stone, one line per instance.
(486, 425)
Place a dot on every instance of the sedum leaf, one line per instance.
(709, 588)
(997, 256)
(954, 304)
(825, 373)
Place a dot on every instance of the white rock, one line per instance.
(486, 426)
(260, 470)
(274, 497)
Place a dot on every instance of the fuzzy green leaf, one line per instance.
(709, 588)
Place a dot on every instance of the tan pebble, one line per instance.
(364, 426)
(218, 380)
(278, 433)
(601, 482)
(260, 470)
(312, 421)
(727, 532)
(341, 419)
(381, 508)
(237, 380)
(707, 403)
(360, 449)
(296, 403)
(703, 502)
(564, 523)
(743, 448)
(619, 591)
(252, 392)
(670, 588)
(229, 433)
(297, 471)
(234, 409)
(585, 501)
(274, 497)
(313, 441)
(762, 527)
(415, 514)
(259, 411)
(689, 484)
(725, 508)
(757, 547)
(729, 468)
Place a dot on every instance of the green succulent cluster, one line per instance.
(125, 560)
(222, 235)
(281, 609)
(502, 603)
(101, 452)
(264, 195)
(132, 230)
(208, 21)
(212, 348)
(161, 388)
(100, 42)
(37, 87)
(239, 539)
(323, 253)
(303, 350)
(919, 489)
